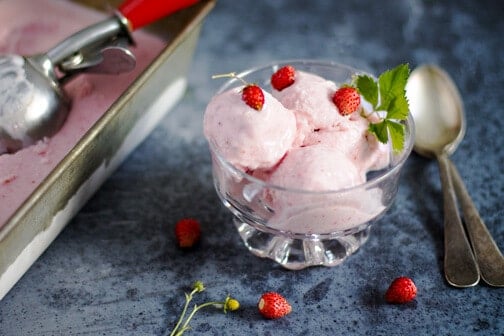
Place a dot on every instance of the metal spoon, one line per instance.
(489, 257)
(33, 104)
(440, 125)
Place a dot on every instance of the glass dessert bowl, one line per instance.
(292, 223)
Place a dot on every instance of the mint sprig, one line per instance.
(387, 94)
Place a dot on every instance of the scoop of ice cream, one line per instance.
(329, 213)
(312, 168)
(346, 137)
(355, 142)
(310, 96)
(316, 168)
(245, 137)
(321, 170)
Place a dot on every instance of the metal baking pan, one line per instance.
(100, 151)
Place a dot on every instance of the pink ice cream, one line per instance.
(310, 98)
(30, 27)
(329, 152)
(315, 168)
(355, 142)
(247, 138)
(323, 214)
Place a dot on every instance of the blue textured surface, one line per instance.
(115, 269)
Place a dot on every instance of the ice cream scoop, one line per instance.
(33, 104)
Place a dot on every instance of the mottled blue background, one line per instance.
(115, 269)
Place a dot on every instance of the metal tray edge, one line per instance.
(39, 213)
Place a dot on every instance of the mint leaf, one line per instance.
(388, 129)
(380, 131)
(396, 132)
(392, 84)
(390, 93)
(398, 108)
(368, 88)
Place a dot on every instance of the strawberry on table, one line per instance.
(187, 232)
(401, 290)
(272, 305)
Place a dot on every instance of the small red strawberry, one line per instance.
(347, 100)
(187, 231)
(401, 290)
(283, 77)
(253, 96)
(273, 305)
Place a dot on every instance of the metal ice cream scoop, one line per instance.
(33, 104)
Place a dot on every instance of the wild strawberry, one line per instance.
(273, 305)
(283, 77)
(401, 290)
(347, 100)
(253, 96)
(187, 231)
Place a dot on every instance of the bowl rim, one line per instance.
(382, 174)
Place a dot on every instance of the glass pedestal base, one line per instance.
(296, 252)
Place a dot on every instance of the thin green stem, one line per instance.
(194, 311)
(181, 318)
(230, 75)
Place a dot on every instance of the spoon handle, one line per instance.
(486, 251)
(460, 265)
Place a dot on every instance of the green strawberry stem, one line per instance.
(230, 75)
(188, 298)
(185, 326)
(183, 322)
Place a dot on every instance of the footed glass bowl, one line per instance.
(313, 227)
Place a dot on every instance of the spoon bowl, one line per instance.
(436, 107)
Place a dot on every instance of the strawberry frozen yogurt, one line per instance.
(30, 27)
(297, 160)
(298, 148)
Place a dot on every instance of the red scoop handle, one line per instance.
(144, 12)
